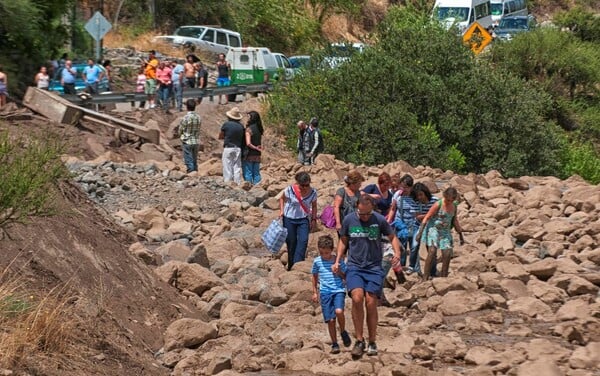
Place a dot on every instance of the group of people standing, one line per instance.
(393, 215)
(242, 144)
(168, 78)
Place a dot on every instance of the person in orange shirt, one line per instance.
(150, 72)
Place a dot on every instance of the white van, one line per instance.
(501, 8)
(251, 65)
(205, 38)
(463, 13)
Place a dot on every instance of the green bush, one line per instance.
(582, 160)
(584, 24)
(420, 95)
(29, 169)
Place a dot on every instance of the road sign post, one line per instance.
(98, 26)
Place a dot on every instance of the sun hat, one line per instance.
(234, 114)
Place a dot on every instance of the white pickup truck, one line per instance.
(203, 38)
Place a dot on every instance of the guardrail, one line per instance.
(106, 98)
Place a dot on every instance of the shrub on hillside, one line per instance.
(29, 169)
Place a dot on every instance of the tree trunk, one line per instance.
(115, 23)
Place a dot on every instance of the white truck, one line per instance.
(203, 38)
(463, 13)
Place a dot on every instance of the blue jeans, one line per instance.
(178, 93)
(190, 157)
(251, 172)
(164, 92)
(297, 239)
(414, 261)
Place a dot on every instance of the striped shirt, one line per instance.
(329, 283)
(417, 208)
(189, 128)
(403, 206)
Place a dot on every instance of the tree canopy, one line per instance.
(420, 95)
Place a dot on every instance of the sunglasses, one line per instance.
(305, 185)
(364, 214)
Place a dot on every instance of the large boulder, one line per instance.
(188, 333)
(191, 277)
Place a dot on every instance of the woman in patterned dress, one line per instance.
(436, 231)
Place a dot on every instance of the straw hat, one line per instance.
(234, 114)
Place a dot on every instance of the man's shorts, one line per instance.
(331, 302)
(150, 86)
(223, 81)
(370, 280)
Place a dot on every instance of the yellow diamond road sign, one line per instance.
(477, 37)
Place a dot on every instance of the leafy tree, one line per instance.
(280, 25)
(31, 32)
(584, 24)
(420, 95)
(325, 8)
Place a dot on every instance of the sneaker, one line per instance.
(359, 348)
(409, 270)
(335, 348)
(372, 349)
(346, 338)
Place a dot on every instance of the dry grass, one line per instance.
(32, 325)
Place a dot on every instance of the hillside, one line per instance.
(168, 274)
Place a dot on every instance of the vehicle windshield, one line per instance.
(459, 14)
(513, 23)
(192, 32)
(496, 9)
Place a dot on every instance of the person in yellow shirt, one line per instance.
(150, 71)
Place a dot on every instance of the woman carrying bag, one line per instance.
(298, 208)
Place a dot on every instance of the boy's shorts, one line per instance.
(331, 302)
(223, 81)
(370, 280)
(150, 86)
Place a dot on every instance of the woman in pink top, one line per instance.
(163, 76)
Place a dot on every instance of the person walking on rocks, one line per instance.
(436, 230)
(329, 290)
(361, 235)
(298, 208)
(346, 198)
(189, 134)
(232, 134)
(315, 141)
(302, 129)
(253, 136)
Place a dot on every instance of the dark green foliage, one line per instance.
(568, 69)
(30, 32)
(584, 24)
(420, 95)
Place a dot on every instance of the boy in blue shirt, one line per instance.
(332, 292)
